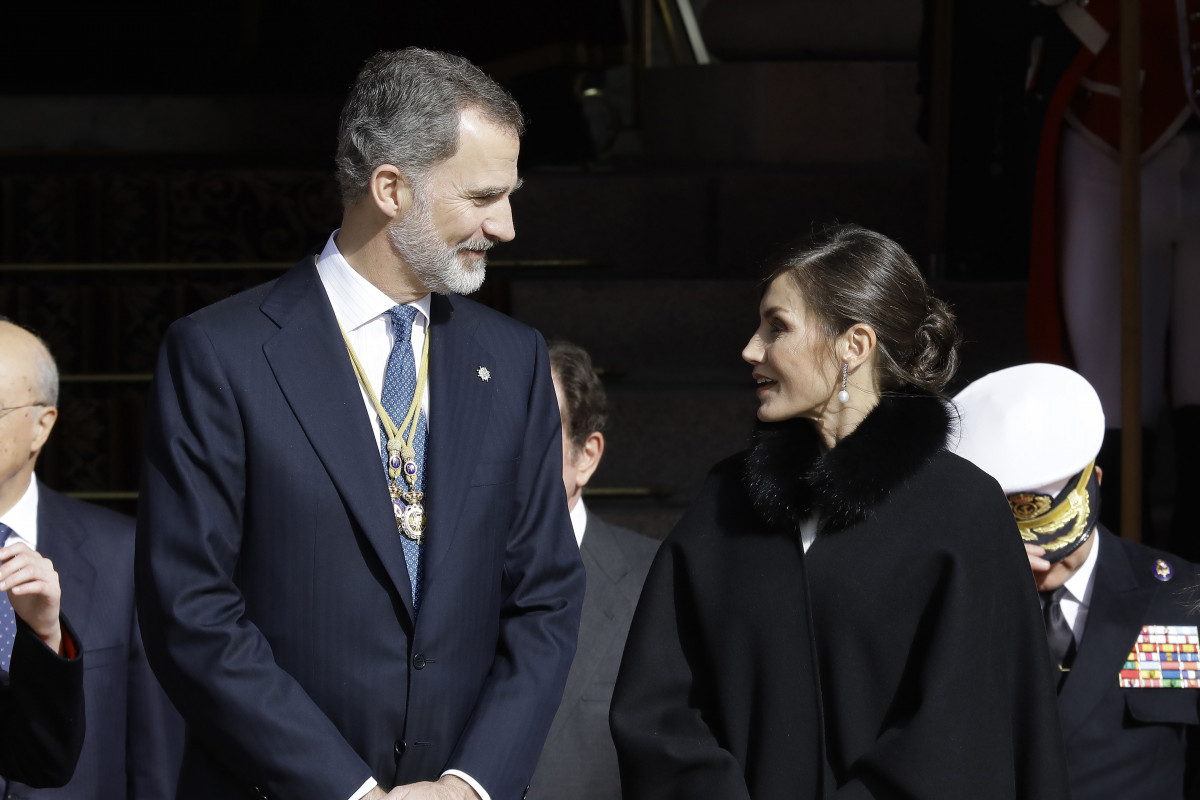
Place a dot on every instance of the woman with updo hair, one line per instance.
(847, 610)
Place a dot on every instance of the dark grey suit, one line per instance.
(579, 760)
(134, 737)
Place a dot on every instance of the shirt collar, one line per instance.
(579, 521)
(355, 300)
(1079, 585)
(22, 517)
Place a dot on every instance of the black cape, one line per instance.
(902, 657)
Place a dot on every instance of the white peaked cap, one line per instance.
(1030, 427)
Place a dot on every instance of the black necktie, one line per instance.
(1058, 633)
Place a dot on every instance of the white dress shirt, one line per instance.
(362, 311)
(579, 521)
(1078, 597)
(808, 531)
(22, 517)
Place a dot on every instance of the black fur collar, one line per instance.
(788, 477)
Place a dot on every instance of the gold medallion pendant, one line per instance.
(410, 513)
(401, 460)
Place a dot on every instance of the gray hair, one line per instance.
(404, 110)
(45, 378)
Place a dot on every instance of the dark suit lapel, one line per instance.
(599, 622)
(310, 363)
(60, 538)
(461, 405)
(1115, 615)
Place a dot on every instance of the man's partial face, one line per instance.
(570, 470)
(1061, 571)
(461, 209)
(24, 422)
(1047, 576)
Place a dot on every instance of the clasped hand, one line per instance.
(33, 590)
(448, 787)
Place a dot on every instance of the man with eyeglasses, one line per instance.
(134, 738)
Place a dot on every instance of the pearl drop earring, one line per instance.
(843, 395)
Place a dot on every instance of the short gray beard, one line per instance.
(436, 264)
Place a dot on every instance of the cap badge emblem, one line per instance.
(1028, 505)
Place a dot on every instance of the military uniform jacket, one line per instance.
(904, 649)
(1130, 742)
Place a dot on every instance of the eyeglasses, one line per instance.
(4, 411)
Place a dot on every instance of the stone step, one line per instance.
(783, 112)
(668, 436)
(649, 330)
(714, 222)
(693, 331)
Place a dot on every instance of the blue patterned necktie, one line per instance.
(8, 620)
(399, 386)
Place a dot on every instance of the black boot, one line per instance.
(1185, 526)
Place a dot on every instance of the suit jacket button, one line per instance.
(419, 661)
(401, 746)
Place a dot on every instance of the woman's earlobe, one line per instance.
(860, 340)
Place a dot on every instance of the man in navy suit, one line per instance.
(1119, 617)
(345, 603)
(134, 737)
(579, 760)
